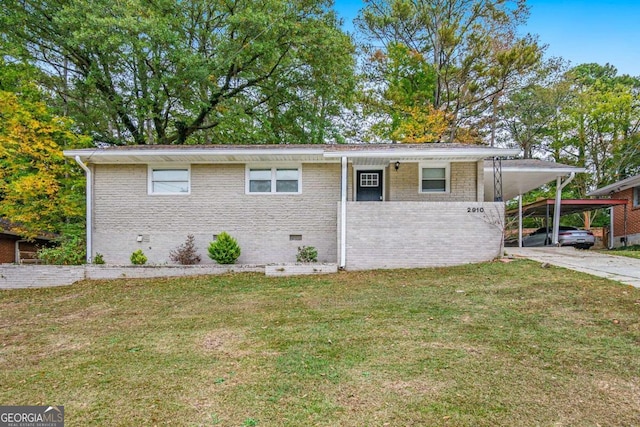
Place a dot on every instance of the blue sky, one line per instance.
(580, 31)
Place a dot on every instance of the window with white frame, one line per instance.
(434, 178)
(169, 180)
(369, 179)
(273, 180)
(636, 197)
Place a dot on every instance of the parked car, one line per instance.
(567, 236)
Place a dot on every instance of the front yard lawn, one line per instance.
(632, 251)
(489, 344)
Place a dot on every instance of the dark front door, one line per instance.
(369, 185)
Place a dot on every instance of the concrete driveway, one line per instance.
(622, 269)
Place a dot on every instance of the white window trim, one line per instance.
(447, 176)
(273, 168)
(635, 197)
(357, 168)
(150, 169)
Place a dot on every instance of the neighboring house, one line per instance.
(625, 218)
(14, 249)
(361, 206)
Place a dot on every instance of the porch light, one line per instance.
(397, 165)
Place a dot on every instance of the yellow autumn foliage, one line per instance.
(421, 124)
(40, 190)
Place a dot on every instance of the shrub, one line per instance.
(225, 249)
(98, 259)
(138, 258)
(71, 250)
(186, 253)
(307, 254)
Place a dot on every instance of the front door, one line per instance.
(369, 185)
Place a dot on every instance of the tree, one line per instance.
(40, 190)
(603, 124)
(405, 96)
(193, 71)
(470, 44)
(530, 116)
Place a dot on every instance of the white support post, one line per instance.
(610, 243)
(556, 208)
(519, 220)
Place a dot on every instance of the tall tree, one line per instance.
(530, 116)
(40, 190)
(189, 71)
(406, 82)
(470, 44)
(603, 118)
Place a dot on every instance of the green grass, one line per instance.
(480, 345)
(632, 251)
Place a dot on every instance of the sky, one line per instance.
(581, 31)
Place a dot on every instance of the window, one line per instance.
(169, 180)
(636, 197)
(369, 179)
(434, 179)
(274, 180)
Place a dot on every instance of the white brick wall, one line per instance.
(45, 276)
(418, 234)
(39, 276)
(261, 223)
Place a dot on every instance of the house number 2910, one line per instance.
(475, 210)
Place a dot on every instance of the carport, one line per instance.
(519, 176)
(544, 209)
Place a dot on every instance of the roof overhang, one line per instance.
(523, 175)
(194, 155)
(358, 154)
(567, 206)
(617, 187)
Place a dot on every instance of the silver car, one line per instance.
(567, 236)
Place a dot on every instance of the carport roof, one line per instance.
(567, 206)
(522, 175)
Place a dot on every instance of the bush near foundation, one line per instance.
(138, 258)
(186, 253)
(307, 254)
(225, 249)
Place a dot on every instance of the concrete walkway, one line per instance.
(622, 269)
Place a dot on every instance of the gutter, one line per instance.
(430, 153)
(343, 214)
(89, 216)
(556, 209)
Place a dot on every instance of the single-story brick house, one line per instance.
(625, 221)
(362, 206)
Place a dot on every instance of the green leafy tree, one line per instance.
(40, 190)
(530, 116)
(405, 96)
(192, 71)
(471, 46)
(602, 124)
